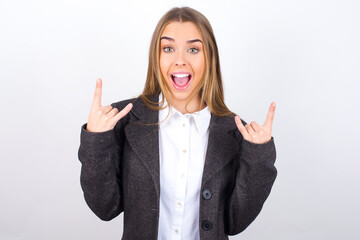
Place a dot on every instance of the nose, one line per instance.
(180, 59)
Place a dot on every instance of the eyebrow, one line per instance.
(189, 41)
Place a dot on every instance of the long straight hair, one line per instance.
(210, 86)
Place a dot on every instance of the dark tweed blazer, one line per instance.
(120, 173)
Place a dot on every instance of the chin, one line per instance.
(179, 96)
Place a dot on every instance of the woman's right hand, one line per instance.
(101, 118)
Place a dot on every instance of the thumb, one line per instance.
(123, 112)
(241, 127)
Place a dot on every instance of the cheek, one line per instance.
(199, 65)
(164, 66)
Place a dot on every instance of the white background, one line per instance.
(304, 55)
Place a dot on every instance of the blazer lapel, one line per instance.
(144, 139)
(222, 145)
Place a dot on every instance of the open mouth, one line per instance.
(181, 81)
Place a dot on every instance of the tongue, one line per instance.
(181, 81)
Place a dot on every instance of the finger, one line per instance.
(123, 112)
(97, 94)
(112, 112)
(270, 116)
(241, 127)
(255, 126)
(250, 131)
(107, 109)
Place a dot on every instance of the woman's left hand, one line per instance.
(254, 132)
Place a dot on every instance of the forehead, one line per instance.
(182, 30)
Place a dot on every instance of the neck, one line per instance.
(194, 105)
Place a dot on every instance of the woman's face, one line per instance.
(182, 59)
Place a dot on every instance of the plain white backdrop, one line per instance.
(302, 54)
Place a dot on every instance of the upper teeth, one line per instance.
(181, 75)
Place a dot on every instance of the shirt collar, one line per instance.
(201, 118)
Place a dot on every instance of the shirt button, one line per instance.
(184, 125)
(179, 203)
(182, 175)
(176, 230)
(184, 151)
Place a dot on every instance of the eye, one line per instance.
(194, 50)
(168, 49)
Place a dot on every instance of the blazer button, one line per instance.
(206, 225)
(206, 194)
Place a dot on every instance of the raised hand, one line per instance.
(254, 132)
(101, 118)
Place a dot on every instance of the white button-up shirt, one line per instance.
(183, 142)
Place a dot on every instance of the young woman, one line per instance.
(176, 160)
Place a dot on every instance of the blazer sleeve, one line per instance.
(100, 155)
(255, 176)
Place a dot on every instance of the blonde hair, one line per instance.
(210, 86)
